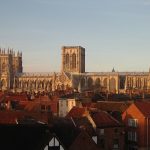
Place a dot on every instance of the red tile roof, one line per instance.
(54, 98)
(22, 104)
(16, 98)
(144, 107)
(77, 112)
(10, 117)
(84, 124)
(103, 119)
(89, 105)
(83, 142)
(44, 98)
(112, 106)
(35, 106)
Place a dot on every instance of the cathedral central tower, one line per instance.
(73, 59)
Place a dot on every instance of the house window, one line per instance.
(48, 108)
(132, 136)
(42, 107)
(102, 143)
(132, 122)
(101, 131)
(116, 130)
(116, 143)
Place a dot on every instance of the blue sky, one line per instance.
(115, 33)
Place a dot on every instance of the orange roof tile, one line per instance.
(10, 117)
(16, 98)
(103, 119)
(112, 106)
(35, 106)
(89, 105)
(144, 107)
(77, 112)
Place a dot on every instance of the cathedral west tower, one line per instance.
(73, 59)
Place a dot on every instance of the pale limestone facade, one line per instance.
(10, 64)
(72, 75)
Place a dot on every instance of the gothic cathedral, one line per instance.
(72, 75)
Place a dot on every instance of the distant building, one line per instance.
(72, 75)
(65, 105)
(10, 65)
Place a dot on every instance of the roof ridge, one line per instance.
(112, 118)
(141, 110)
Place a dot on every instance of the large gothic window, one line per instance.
(3, 83)
(82, 83)
(105, 82)
(73, 61)
(90, 83)
(122, 82)
(97, 83)
(3, 67)
(145, 82)
(67, 60)
(112, 85)
(139, 83)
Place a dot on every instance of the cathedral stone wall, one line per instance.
(72, 75)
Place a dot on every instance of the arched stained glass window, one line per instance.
(73, 61)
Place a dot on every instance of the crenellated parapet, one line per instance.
(11, 52)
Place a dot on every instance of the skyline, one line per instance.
(114, 34)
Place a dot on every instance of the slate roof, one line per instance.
(117, 73)
(33, 74)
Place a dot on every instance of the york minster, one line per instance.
(71, 76)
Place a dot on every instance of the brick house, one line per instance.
(137, 123)
(110, 132)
